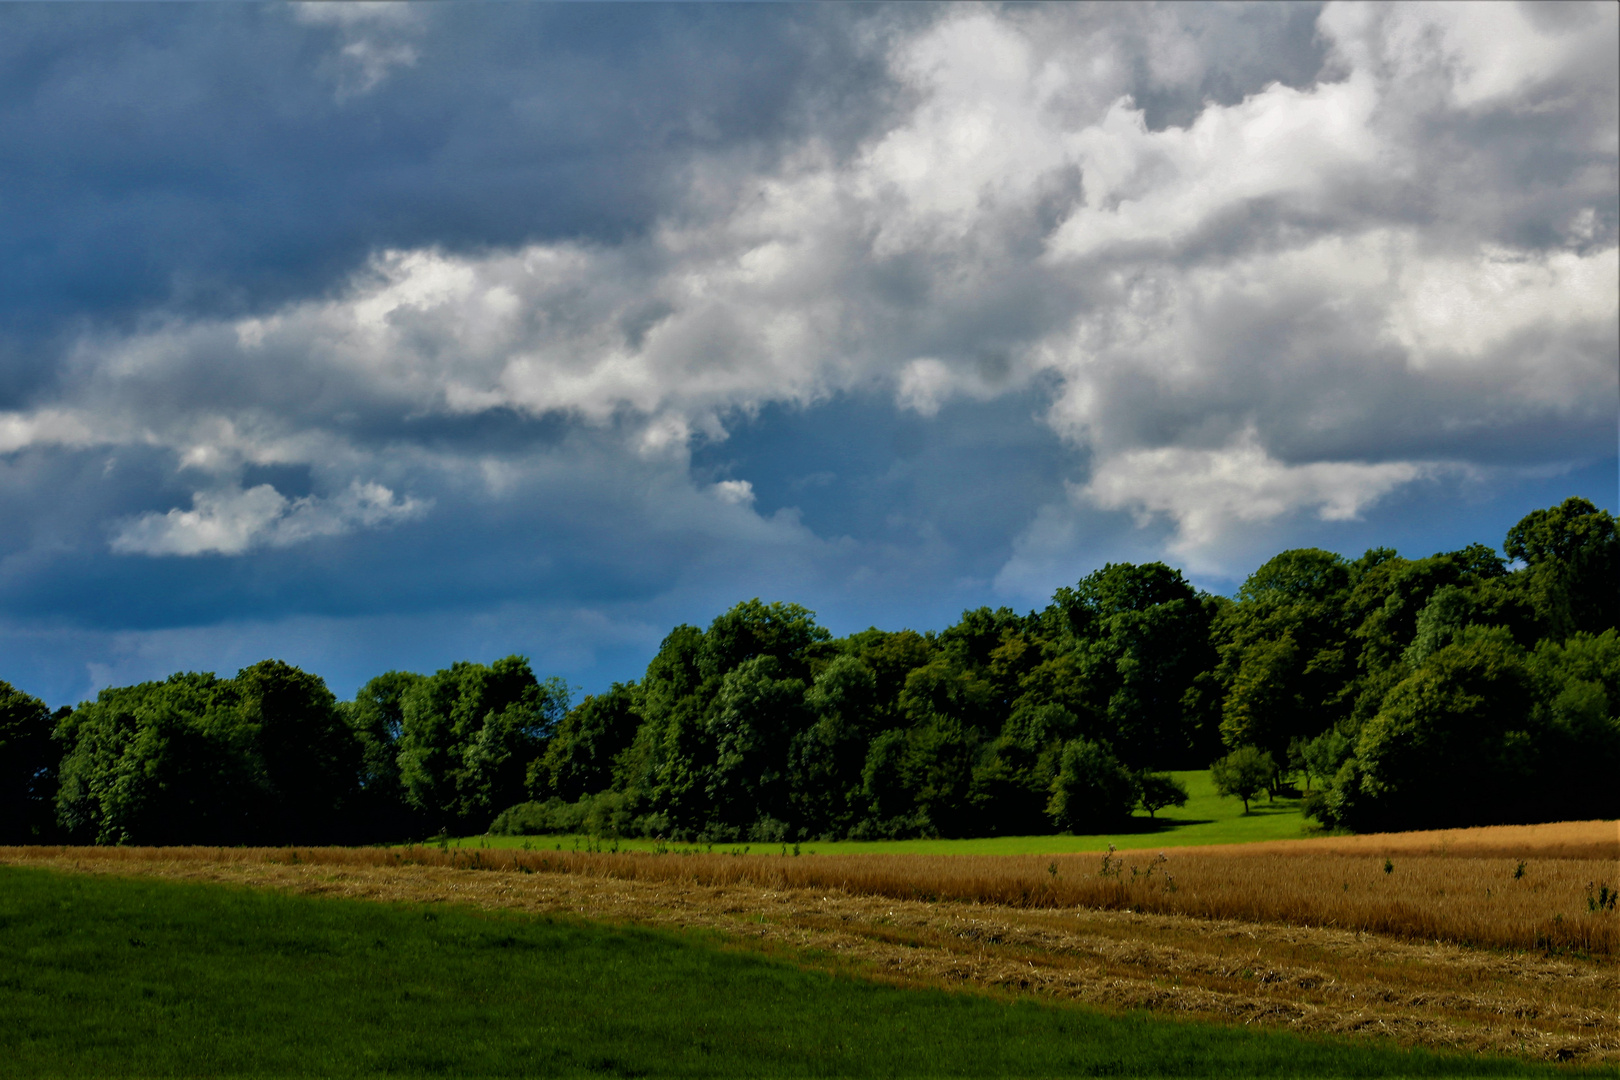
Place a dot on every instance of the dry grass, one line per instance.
(1469, 899)
(1597, 840)
(1310, 979)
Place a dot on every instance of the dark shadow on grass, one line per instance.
(1158, 825)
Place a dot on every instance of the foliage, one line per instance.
(468, 736)
(376, 719)
(1243, 772)
(1284, 656)
(265, 756)
(580, 756)
(29, 758)
(1143, 638)
(1155, 791)
(1572, 566)
(1092, 789)
(1207, 818)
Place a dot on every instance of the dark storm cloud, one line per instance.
(201, 159)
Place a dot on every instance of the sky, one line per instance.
(377, 336)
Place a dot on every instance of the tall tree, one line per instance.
(1142, 637)
(756, 716)
(167, 762)
(825, 758)
(581, 755)
(29, 758)
(1451, 744)
(470, 732)
(1285, 653)
(376, 716)
(1093, 792)
(310, 756)
(1572, 566)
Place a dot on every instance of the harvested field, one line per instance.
(1309, 979)
(1526, 900)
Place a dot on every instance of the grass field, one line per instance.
(1207, 818)
(114, 976)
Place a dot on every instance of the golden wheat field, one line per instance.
(1546, 887)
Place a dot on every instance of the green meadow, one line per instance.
(104, 976)
(1207, 818)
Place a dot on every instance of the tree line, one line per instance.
(1462, 688)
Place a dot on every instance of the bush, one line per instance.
(607, 813)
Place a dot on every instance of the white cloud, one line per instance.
(1272, 279)
(735, 492)
(1481, 53)
(1158, 187)
(233, 521)
(1214, 495)
(45, 427)
(372, 34)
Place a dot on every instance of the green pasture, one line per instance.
(1207, 818)
(106, 976)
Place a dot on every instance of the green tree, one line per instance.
(940, 755)
(891, 657)
(1451, 744)
(1572, 566)
(1577, 726)
(946, 687)
(1321, 758)
(826, 758)
(376, 717)
(1243, 772)
(580, 758)
(29, 758)
(169, 762)
(1012, 781)
(469, 733)
(1092, 792)
(755, 717)
(1159, 790)
(1142, 637)
(1286, 660)
(752, 629)
(309, 755)
(886, 788)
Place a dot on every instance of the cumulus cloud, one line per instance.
(1210, 494)
(1243, 303)
(233, 521)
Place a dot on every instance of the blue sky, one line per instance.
(376, 336)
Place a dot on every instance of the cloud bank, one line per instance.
(1241, 268)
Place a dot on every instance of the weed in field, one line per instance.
(1389, 865)
(1602, 900)
(1518, 871)
(1111, 867)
